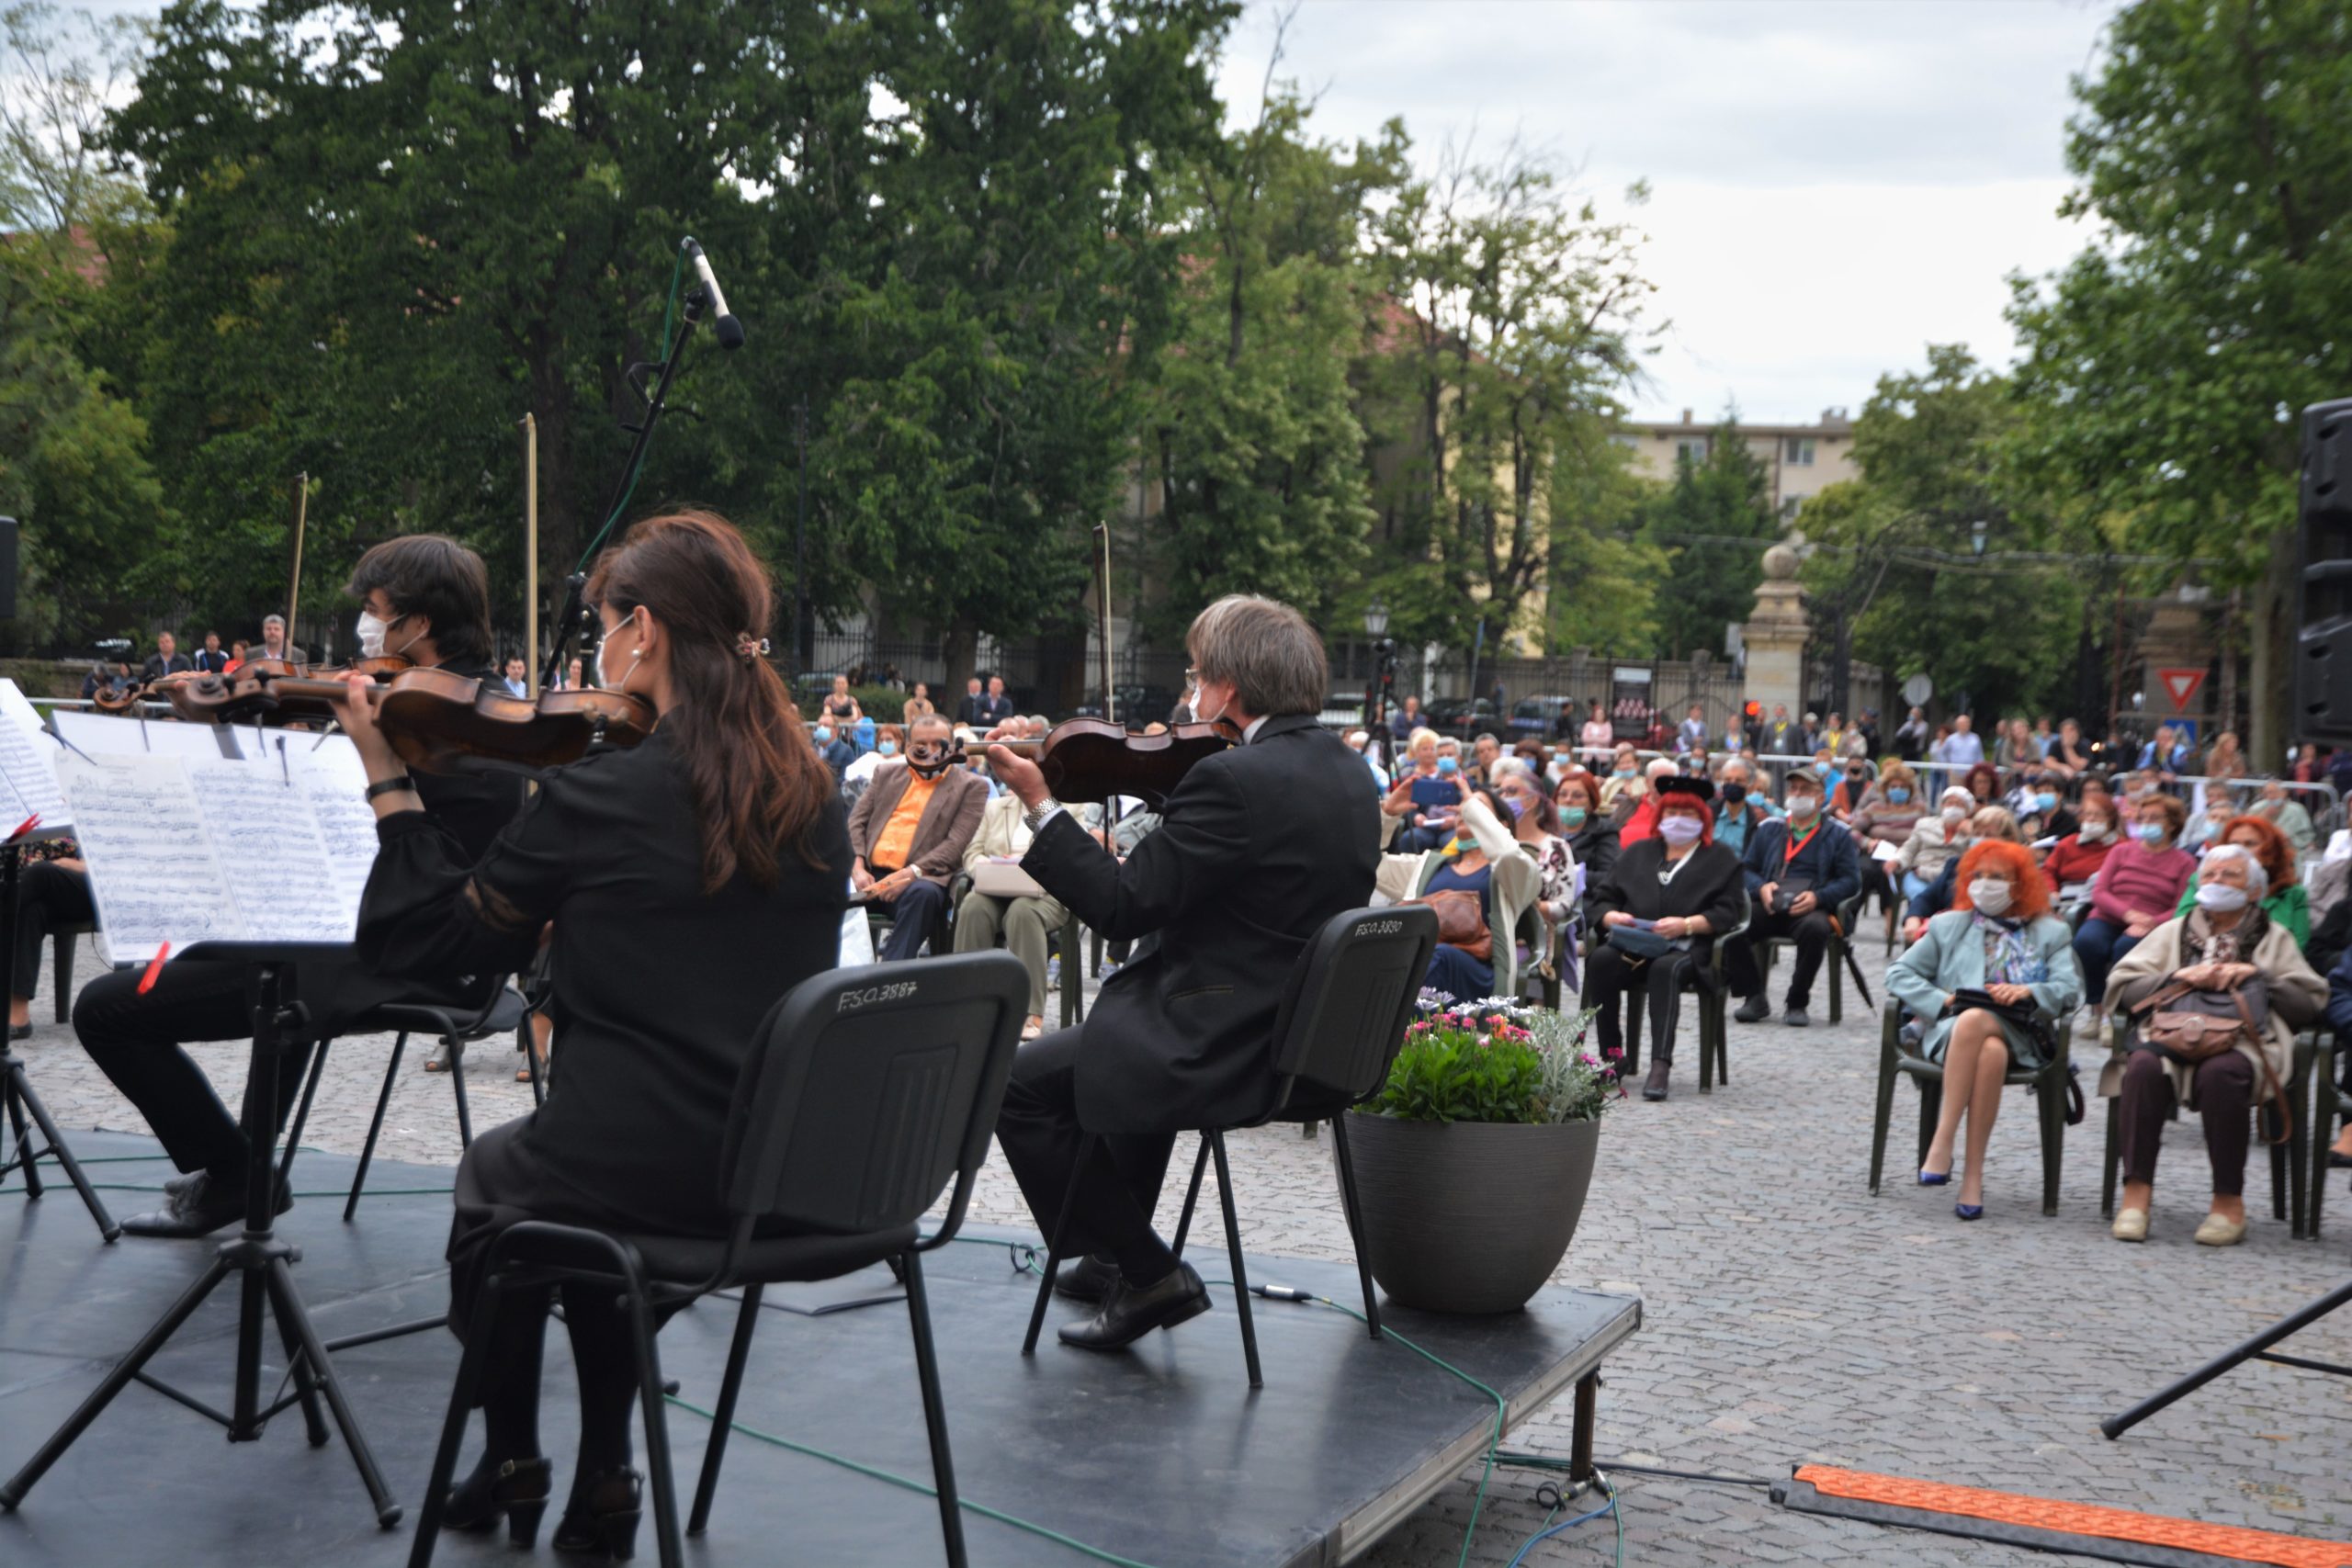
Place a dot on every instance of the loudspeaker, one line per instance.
(7, 569)
(2322, 681)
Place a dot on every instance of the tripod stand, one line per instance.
(2254, 1349)
(256, 1258)
(16, 1085)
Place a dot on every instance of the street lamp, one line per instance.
(1383, 652)
(1375, 619)
(1976, 532)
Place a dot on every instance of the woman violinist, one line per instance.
(690, 880)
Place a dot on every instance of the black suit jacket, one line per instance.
(1255, 849)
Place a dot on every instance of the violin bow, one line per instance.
(294, 568)
(1103, 622)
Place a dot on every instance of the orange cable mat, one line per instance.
(2078, 1518)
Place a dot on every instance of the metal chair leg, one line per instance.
(455, 1051)
(1354, 1209)
(471, 1366)
(723, 1420)
(1233, 1249)
(375, 1127)
(302, 1112)
(2110, 1158)
(1882, 1118)
(1191, 1196)
(2050, 1097)
(658, 1479)
(1054, 1246)
(934, 1410)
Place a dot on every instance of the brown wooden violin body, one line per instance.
(435, 719)
(1092, 759)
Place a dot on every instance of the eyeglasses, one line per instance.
(1192, 675)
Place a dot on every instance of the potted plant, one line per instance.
(1473, 1160)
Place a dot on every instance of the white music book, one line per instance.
(183, 850)
(28, 780)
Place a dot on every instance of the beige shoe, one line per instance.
(2220, 1231)
(2131, 1224)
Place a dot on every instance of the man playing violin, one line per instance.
(426, 598)
(1257, 846)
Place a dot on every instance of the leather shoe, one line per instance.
(1797, 1018)
(2130, 1225)
(1755, 1009)
(200, 1207)
(2218, 1230)
(1131, 1311)
(1653, 1087)
(1087, 1279)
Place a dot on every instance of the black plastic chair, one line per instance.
(2289, 1160)
(2047, 1083)
(2329, 1106)
(455, 1028)
(61, 939)
(1341, 1023)
(863, 1093)
(1841, 936)
(1714, 1038)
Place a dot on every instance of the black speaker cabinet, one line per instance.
(2323, 684)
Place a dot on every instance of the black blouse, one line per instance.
(658, 985)
(1709, 884)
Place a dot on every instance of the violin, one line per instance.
(435, 719)
(1092, 759)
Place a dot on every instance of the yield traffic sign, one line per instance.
(2181, 685)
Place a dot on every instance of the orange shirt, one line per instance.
(898, 835)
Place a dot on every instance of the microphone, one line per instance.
(729, 329)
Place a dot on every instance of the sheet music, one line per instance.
(27, 774)
(154, 873)
(15, 705)
(103, 735)
(273, 855)
(335, 783)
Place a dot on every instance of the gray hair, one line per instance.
(1267, 649)
(1504, 766)
(2257, 881)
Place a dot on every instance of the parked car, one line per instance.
(1538, 718)
(1343, 709)
(1465, 716)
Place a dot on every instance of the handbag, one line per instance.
(2025, 1015)
(999, 878)
(1634, 943)
(1461, 921)
(2189, 1025)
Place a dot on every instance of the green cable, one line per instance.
(909, 1483)
(669, 312)
(372, 1192)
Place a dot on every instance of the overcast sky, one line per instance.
(1835, 182)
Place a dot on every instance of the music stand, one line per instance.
(16, 1084)
(256, 1258)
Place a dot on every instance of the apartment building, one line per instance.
(1799, 459)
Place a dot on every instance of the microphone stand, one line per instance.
(573, 617)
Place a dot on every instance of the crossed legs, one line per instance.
(1976, 1062)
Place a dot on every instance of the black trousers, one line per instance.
(1609, 975)
(1039, 1132)
(1811, 932)
(48, 897)
(915, 918)
(136, 1041)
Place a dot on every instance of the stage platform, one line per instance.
(1161, 1455)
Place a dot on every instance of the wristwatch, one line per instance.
(1041, 814)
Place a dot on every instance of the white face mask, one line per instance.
(1803, 806)
(2093, 833)
(1989, 894)
(1680, 830)
(2220, 897)
(604, 677)
(1952, 815)
(371, 637)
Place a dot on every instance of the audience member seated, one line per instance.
(1359, 743)
(2040, 806)
(909, 832)
(1943, 893)
(1476, 956)
(1983, 783)
(1640, 822)
(887, 740)
(1855, 778)
(1024, 924)
(1592, 838)
(837, 753)
(2280, 806)
(1798, 871)
(1883, 816)
(1533, 822)
(1483, 753)
(2069, 757)
(52, 893)
(2075, 859)
(1740, 807)
(2139, 886)
(2220, 944)
(1998, 939)
(1434, 788)
(1659, 910)
(1622, 789)
(840, 707)
(2287, 903)
(1934, 842)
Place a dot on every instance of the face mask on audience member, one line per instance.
(888, 748)
(1897, 796)
(824, 738)
(1626, 772)
(1990, 894)
(1803, 806)
(2148, 832)
(1447, 767)
(1571, 817)
(1954, 815)
(1679, 828)
(2220, 897)
(2047, 800)
(2096, 830)
(1516, 805)
(1735, 793)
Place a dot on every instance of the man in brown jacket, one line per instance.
(908, 832)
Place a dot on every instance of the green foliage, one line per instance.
(1601, 590)
(1496, 1061)
(1712, 523)
(2167, 365)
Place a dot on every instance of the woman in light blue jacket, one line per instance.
(1998, 938)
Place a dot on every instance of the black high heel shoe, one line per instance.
(518, 1489)
(600, 1518)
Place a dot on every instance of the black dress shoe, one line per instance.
(1653, 1087)
(1089, 1279)
(198, 1207)
(1755, 1009)
(1131, 1312)
(20, 1032)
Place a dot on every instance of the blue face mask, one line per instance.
(2047, 800)
(1625, 772)
(1899, 796)
(1516, 805)
(1446, 765)
(824, 738)
(888, 748)
(2148, 832)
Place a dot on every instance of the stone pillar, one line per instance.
(1774, 636)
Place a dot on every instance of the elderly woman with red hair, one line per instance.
(1999, 939)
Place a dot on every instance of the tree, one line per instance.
(1713, 524)
(1602, 583)
(1520, 308)
(1252, 430)
(2166, 364)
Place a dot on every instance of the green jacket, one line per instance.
(2289, 907)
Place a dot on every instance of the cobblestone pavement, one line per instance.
(1789, 1316)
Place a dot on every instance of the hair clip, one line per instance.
(749, 649)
